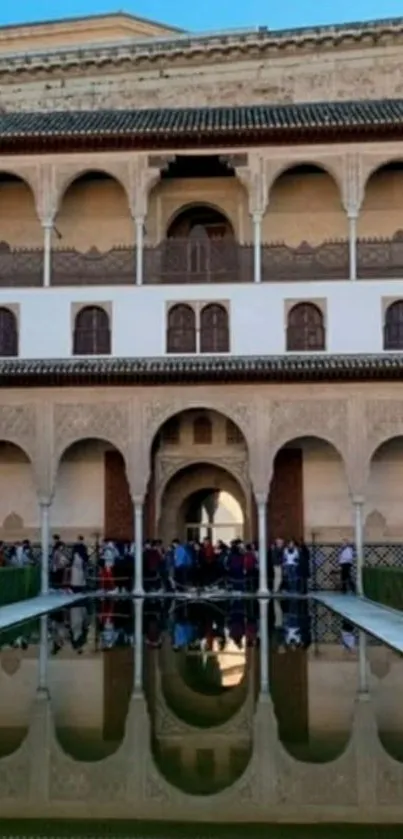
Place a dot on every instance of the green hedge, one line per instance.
(19, 584)
(384, 585)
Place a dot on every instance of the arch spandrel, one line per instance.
(108, 421)
(157, 413)
(383, 422)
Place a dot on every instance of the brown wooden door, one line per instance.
(286, 501)
(118, 514)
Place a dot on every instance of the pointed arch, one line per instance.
(92, 334)
(393, 327)
(305, 328)
(8, 333)
(181, 329)
(214, 329)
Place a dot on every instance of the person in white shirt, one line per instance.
(346, 559)
(291, 566)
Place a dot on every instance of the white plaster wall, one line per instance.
(18, 497)
(354, 315)
(79, 498)
(327, 506)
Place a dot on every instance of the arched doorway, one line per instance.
(212, 514)
(203, 501)
(199, 478)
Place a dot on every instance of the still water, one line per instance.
(165, 712)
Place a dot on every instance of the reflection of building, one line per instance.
(198, 753)
(221, 244)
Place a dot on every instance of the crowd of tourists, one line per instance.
(182, 566)
(190, 566)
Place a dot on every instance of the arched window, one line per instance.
(214, 329)
(202, 431)
(92, 334)
(170, 433)
(181, 331)
(233, 433)
(393, 331)
(8, 333)
(305, 328)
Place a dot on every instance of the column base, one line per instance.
(263, 592)
(138, 592)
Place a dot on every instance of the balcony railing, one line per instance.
(192, 261)
(115, 267)
(328, 261)
(185, 262)
(380, 258)
(20, 267)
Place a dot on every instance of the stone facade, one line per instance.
(316, 65)
(351, 420)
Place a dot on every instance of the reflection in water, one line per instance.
(206, 686)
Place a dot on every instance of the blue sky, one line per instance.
(202, 15)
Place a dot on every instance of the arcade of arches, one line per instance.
(199, 484)
(196, 198)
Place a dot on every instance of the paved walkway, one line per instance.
(34, 607)
(385, 624)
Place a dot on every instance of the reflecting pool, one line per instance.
(271, 712)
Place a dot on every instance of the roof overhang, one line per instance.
(84, 372)
(175, 128)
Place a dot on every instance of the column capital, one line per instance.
(261, 499)
(358, 500)
(45, 501)
(138, 500)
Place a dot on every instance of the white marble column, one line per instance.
(139, 223)
(43, 656)
(358, 503)
(264, 647)
(47, 252)
(262, 537)
(44, 505)
(138, 647)
(257, 247)
(138, 558)
(352, 244)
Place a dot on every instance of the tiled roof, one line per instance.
(181, 369)
(197, 123)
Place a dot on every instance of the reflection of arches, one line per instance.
(92, 333)
(211, 220)
(305, 328)
(181, 329)
(212, 769)
(393, 328)
(188, 695)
